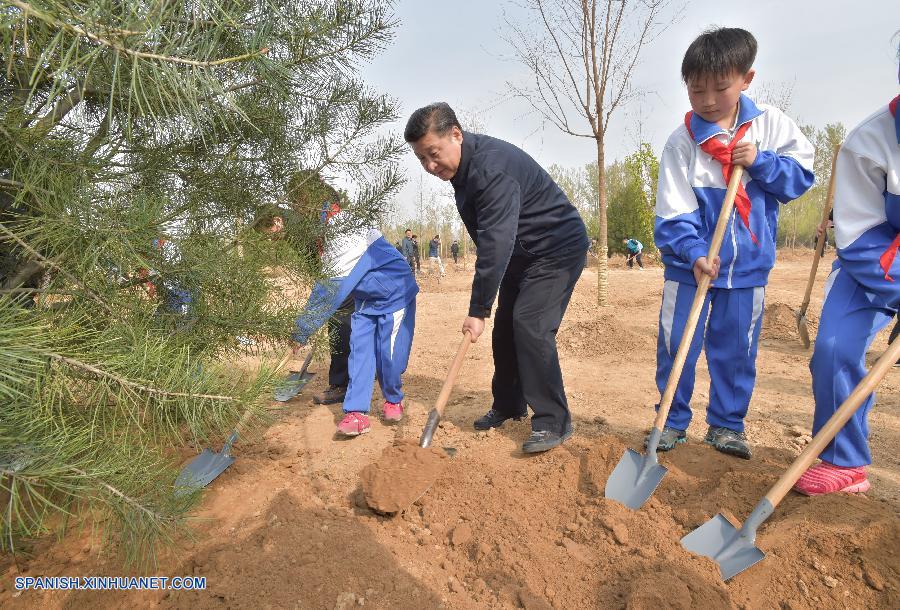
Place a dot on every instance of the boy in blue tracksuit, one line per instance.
(862, 294)
(360, 263)
(723, 129)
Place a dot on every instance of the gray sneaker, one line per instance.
(669, 438)
(728, 441)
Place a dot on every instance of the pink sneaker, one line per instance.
(392, 411)
(825, 478)
(353, 424)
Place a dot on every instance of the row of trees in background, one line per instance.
(631, 194)
(799, 219)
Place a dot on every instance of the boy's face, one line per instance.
(715, 98)
(409, 234)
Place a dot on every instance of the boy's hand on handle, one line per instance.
(296, 348)
(702, 267)
(744, 154)
(473, 326)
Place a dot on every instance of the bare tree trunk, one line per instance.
(602, 246)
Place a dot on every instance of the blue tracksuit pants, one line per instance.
(851, 317)
(731, 319)
(379, 345)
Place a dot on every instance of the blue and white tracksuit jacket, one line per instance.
(362, 264)
(689, 197)
(859, 300)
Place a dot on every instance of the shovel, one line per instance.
(637, 476)
(735, 549)
(404, 468)
(204, 468)
(802, 324)
(294, 382)
(435, 415)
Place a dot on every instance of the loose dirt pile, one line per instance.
(402, 474)
(780, 322)
(601, 336)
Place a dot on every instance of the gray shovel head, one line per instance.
(202, 470)
(732, 548)
(634, 479)
(291, 386)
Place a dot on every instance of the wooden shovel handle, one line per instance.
(820, 242)
(452, 373)
(862, 391)
(699, 297)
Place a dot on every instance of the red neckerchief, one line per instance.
(888, 256)
(722, 153)
(329, 211)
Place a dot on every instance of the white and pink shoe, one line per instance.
(353, 424)
(825, 478)
(392, 411)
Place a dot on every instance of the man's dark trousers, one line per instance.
(533, 297)
(339, 336)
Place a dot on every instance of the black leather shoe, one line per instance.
(544, 440)
(332, 395)
(494, 419)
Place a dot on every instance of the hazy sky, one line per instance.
(838, 59)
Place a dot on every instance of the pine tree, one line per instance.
(138, 143)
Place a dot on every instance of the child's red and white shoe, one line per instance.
(825, 478)
(392, 411)
(353, 424)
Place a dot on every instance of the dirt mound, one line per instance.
(780, 322)
(601, 336)
(402, 473)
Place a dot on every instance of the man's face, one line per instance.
(440, 154)
(715, 98)
(409, 234)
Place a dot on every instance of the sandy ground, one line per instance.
(287, 527)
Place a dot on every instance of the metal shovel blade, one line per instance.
(291, 386)
(803, 330)
(203, 469)
(732, 548)
(634, 479)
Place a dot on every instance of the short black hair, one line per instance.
(437, 117)
(719, 52)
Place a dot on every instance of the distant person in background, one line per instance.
(434, 254)
(408, 250)
(417, 254)
(634, 252)
(454, 251)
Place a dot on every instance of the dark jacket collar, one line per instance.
(468, 149)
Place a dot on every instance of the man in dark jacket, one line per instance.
(531, 244)
(408, 249)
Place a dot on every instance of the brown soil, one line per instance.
(780, 322)
(401, 475)
(288, 525)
